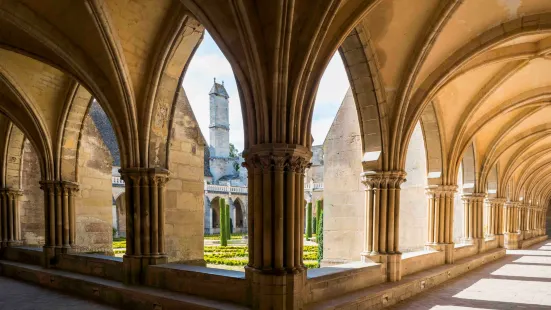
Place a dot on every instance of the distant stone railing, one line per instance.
(313, 186)
(226, 189)
(244, 189)
(117, 181)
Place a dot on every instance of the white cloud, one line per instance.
(209, 62)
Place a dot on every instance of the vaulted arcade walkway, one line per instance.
(474, 74)
(522, 280)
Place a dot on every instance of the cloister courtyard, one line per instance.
(281, 154)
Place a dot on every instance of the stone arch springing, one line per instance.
(492, 182)
(469, 170)
(14, 158)
(436, 169)
(357, 56)
(76, 109)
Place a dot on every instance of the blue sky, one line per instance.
(209, 63)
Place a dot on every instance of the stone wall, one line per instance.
(93, 203)
(343, 192)
(184, 218)
(32, 200)
(413, 202)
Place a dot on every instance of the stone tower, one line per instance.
(219, 121)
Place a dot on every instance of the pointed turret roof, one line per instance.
(219, 90)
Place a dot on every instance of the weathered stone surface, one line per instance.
(32, 201)
(94, 217)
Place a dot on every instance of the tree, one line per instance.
(234, 153)
(319, 219)
(228, 220)
(319, 236)
(309, 221)
(223, 223)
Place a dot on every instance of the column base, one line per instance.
(50, 257)
(447, 248)
(135, 267)
(391, 263)
(500, 240)
(275, 290)
(512, 241)
(478, 242)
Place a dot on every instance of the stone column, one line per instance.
(59, 217)
(382, 213)
(145, 220)
(10, 229)
(474, 221)
(511, 224)
(276, 223)
(495, 218)
(523, 225)
(440, 219)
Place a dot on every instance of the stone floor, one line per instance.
(521, 280)
(15, 295)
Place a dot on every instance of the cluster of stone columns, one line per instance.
(382, 207)
(59, 216)
(473, 205)
(511, 222)
(440, 219)
(145, 203)
(495, 218)
(10, 230)
(276, 223)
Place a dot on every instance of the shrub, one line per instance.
(309, 220)
(223, 222)
(320, 238)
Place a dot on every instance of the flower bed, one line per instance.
(238, 256)
(231, 255)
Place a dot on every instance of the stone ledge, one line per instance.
(106, 267)
(462, 251)
(530, 242)
(389, 293)
(330, 282)
(27, 255)
(418, 261)
(107, 291)
(218, 284)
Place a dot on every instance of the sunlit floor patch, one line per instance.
(509, 291)
(545, 248)
(526, 271)
(455, 308)
(529, 252)
(534, 260)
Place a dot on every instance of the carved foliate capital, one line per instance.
(495, 200)
(441, 190)
(472, 197)
(135, 176)
(277, 157)
(511, 204)
(383, 179)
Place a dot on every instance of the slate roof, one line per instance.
(229, 177)
(219, 90)
(106, 131)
